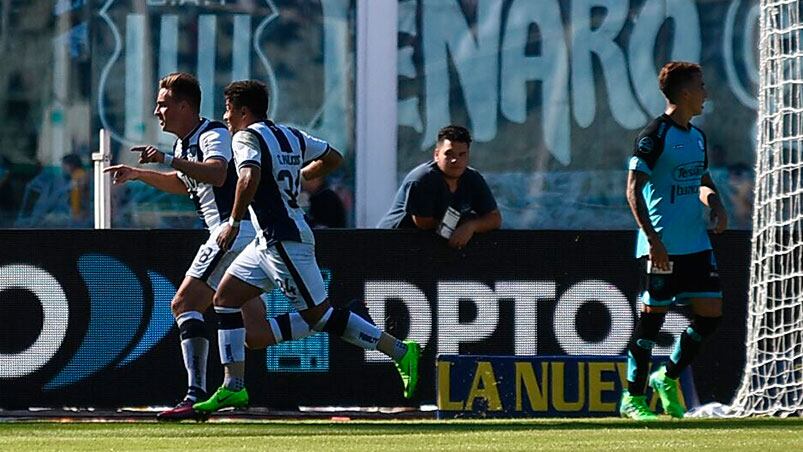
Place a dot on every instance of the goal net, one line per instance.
(772, 383)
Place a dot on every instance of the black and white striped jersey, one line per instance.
(280, 152)
(209, 139)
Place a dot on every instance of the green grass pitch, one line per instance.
(759, 434)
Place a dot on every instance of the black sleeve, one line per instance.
(420, 199)
(482, 199)
(650, 143)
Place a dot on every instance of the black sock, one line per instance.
(688, 344)
(639, 350)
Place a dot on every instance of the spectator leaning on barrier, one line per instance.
(445, 194)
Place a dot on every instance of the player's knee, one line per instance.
(179, 304)
(193, 296)
(702, 327)
(221, 298)
(649, 324)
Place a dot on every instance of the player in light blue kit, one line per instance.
(668, 186)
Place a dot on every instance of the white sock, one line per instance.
(392, 347)
(230, 335)
(234, 376)
(195, 350)
(361, 332)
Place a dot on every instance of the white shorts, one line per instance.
(210, 262)
(291, 266)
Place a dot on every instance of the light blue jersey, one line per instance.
(675, 159)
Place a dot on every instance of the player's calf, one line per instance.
(639, 350)
(357, 331)
(689, 342)
(263, 333)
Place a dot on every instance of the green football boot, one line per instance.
(223, 398)
(668, 389)
(408, 368)
(635, 407)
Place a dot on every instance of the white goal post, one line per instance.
(772, 383)
(103, 200)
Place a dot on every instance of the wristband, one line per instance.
(234, 223)
(168, 160)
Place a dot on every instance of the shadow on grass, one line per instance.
(370, 428)
(557, 424)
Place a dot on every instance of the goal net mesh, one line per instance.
(772, 383)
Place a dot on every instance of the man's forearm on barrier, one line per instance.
(488, 222)
(425, 223)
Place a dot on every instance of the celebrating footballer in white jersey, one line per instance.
(270, 159)
(204, 169)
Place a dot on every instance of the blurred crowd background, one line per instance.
(553, 91)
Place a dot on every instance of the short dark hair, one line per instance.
(454, 133)
(251, 94)
(675, 75)
(183, 87)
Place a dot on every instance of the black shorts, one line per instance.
(692, 276)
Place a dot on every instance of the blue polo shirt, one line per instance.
(424, 193)
(675, 159)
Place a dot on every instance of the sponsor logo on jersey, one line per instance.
(688, 171)
(682, 190)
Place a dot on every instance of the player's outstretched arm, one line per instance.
(166, 182)
(210, 171)
(709, 197)
(322, 166)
